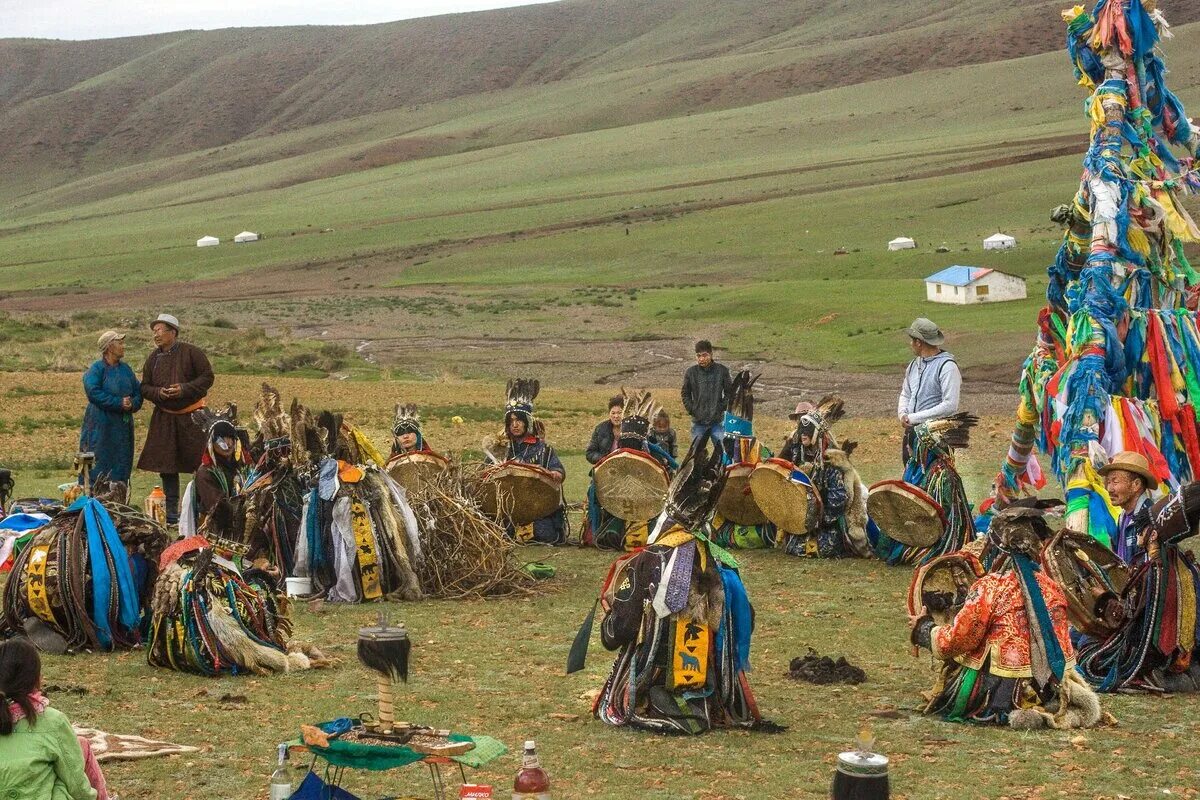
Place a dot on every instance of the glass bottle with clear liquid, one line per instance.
(281, 781)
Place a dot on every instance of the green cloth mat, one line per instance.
(540, 570)
(377, 757)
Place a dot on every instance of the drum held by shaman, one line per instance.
(736, 503)
(523, 491)
(631, 485)
(781, 495)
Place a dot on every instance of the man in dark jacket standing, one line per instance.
(175, 378)
(705, 393)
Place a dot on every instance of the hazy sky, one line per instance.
(95, 19)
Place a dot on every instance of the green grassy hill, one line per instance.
(491, 213)
(72, 109)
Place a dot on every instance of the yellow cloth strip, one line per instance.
(1187, 606)
(366, 448)
(35, 588)
(368, 561)
(689, 663)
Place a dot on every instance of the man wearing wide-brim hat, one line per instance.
(175, 378)
(1129, 480)
(932, 381)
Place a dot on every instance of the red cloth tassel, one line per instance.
(1186, 424)
(1135, 441)
(1110, 28)
(1168, 404)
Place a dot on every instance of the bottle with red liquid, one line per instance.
(532, 782)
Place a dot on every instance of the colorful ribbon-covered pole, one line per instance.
(1117, 347)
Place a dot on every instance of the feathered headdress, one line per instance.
(741, 395)
(272, 421)
(407, 419)
(829, 410)
(521, 394)
(697, 485)
(309, 443)
(1023, 527)
(639, 409)
(948, 433)
(217, 424)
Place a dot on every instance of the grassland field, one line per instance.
(496, 666)
(590, 253)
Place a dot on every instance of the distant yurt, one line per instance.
(207, 241)
(999, 241)
(246, 236)
(902, 243)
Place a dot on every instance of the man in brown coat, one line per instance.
(175, 378)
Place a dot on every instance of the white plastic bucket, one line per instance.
(298, 587)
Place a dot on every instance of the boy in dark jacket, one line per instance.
(663, 435)
(705, 394)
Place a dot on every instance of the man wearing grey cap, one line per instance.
(931, 383)
(175, 378)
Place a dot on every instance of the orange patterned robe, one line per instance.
(993, 622)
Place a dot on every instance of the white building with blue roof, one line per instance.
(966, 285)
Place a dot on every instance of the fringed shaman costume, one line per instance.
(213, 502)
(931, 468)
(1007, 654)
(276, 486)
(83, 582)
(210, 618)
(530, 447)
(678, 614)
(738, 521)
(608, 531)
(839, 513)
(358, 535)
(1117, 362)
(1155, 648)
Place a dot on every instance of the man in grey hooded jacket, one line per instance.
(932, 381)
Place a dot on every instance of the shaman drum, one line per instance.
(906, 513)
(410, 470)
(781, 490)
(1092, 577)
(941, 586)
(631, 485)
(523, 492)
(736, 503)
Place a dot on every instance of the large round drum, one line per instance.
(631, 485)
(941, 586)
(1092, 577)
(906, 513)
(410, 470)
(781, 492)
(522, 492)
(736, 503)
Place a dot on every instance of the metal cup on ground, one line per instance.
(860, 776)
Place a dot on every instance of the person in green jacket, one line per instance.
(40, 757)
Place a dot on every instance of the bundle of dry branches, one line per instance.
(466, 553)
